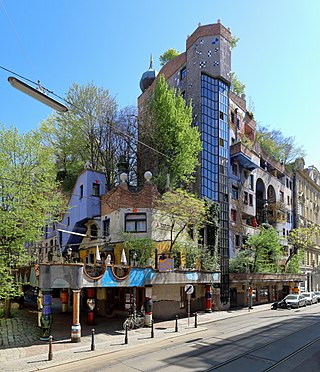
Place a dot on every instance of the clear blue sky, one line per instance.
(109, 42)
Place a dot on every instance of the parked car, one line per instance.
(281, 305)
(318, 295)
(311, 297)
(295, 300)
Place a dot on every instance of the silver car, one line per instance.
(296, 300)
(318, 295)
(311, 297)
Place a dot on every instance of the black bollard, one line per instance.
(152, 330)
(176, 323)
(50, 355)
(93, 346)
(195, 320)
(126, 336)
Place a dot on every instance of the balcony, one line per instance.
(245, 157)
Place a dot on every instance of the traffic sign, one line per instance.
(189, 288)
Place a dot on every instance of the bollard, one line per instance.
(126, 335)
(176, 323)
(152, 331)
(50, 355)
(195, 320)
(93, 346)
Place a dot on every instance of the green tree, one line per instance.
(168, 56)
(183, 211)
(234, 41)
(301, 239)
(236, 85)
(277, 146)
(267, 251)
(94, 131)
(28, 200)
(167, 128)
(242, 262)
(142, 247)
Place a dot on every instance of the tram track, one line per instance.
(261, 347)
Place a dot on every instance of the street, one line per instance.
(281, 340)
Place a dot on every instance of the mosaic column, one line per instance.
(64, 300)
(91, 304)
(208, 299)
(46, 316)
(76, 326)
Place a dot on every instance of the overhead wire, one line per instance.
(17, 36)
(115, 130)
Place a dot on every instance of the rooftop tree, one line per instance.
(94, 130)
(167, 129)
(277, 146)
(168, 56)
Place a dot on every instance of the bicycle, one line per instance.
(134, 321)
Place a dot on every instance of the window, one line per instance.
(251, 200)
(183, 73)
(232, 117)
(106, 227)
(237, 240)
(221, 115)
(284, 232)
(281, 196)
(245, 198)
(221, 141)
(235, 192)
(81, 191)
(94, 231)
(235, 168)
(136, 222)
(233, 215)
(96, 189)
(288, 200)
(288, 217)
(287, 182)
(68, 221)
(251, 182)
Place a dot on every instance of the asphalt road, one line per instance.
(281, 340)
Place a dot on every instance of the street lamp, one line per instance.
(37, 94)
(69, 253)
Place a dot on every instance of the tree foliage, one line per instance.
(142, 247)
(234, 41)
(263, 254)
(277, 146)
(191, 255)
(168, 55)
(28, 200)
(236, 85)
(94, 131)
(183, 211)
(301, 239)
(242, 262)
(167, 128)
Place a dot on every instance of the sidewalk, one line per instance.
(16, 333)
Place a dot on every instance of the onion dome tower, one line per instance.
(148, 77)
